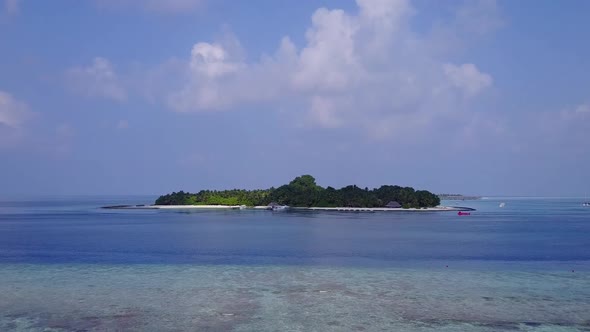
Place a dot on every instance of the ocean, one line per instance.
(67, 265)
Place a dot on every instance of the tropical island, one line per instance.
(303, 192)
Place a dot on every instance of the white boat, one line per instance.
(502, 204)
(276, 207)
(587, 204)
(280, 207)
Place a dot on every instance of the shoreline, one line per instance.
(243, 207)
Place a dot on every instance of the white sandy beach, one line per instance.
(197, 206)
(437, 208)
(343, 209)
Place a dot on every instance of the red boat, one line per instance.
(461, 213)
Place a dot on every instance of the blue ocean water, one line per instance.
(67, 265)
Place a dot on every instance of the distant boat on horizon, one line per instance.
(502, 204)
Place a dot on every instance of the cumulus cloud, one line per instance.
(368, 69)
(211, 60)
(97, 80)
(158, 6)
(13, 112)
(330, 48)
(467, 78)
(323, 111)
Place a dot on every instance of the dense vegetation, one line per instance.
(304, 192)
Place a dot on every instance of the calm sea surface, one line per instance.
(67, 265)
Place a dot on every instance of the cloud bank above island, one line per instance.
(407, 89)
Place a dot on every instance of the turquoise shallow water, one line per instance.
(67, 266)
(292, 298)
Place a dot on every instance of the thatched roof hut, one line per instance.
(393, 205)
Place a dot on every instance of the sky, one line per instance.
(147, 97)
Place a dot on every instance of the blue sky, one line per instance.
(146, 97)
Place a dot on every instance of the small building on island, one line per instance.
(393, 205)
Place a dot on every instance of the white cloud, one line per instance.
(329, 62)
(368, 70)
(13, 112)
(158, 6)
(467, 78)
(213, 77)
(97, 80)
(391, 11)
(323, 112)
(211, 60)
